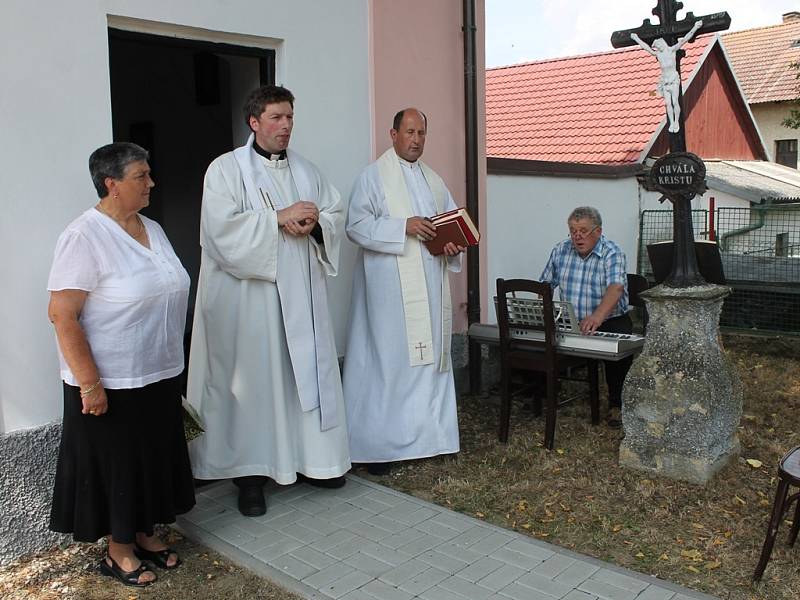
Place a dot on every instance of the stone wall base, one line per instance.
(27, 470)
(490, 364)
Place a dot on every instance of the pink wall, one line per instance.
(417, 57)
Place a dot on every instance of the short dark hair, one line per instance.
(398, 118)
(259, 98)
(111, 160)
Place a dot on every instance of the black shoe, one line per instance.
(159, 558)
(251, 500)
(379, 468)
(250, 480)
(332, 483)
(130, 578)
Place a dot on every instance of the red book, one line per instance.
(453, 226)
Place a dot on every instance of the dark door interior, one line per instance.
(181, 100)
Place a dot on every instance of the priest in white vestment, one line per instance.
(398, 380)
(263, 368)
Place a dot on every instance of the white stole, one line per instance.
(314, 376)
(409, 264)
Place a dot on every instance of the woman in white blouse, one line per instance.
(118, 299)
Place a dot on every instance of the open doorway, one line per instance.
(182, 100)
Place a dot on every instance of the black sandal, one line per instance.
(158, 557)
(130, 578)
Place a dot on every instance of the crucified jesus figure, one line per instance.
(670, 82)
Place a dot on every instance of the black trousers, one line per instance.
(616, 370)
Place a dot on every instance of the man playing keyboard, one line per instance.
(591, 274)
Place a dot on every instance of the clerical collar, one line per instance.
(405, 163)
(268, 155)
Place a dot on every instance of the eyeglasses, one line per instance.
(582, 233)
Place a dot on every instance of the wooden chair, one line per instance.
(788, 476)
(532, 355)
(636, 285)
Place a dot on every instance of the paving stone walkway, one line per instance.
(368, 542)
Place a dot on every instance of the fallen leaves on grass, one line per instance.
(70, 573)
(693, 555)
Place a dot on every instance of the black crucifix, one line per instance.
(667, 37)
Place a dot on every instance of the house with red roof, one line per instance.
(583, 130)
(762, 59)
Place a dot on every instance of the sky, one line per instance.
(527, 30)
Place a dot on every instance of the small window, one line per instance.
(786, 153)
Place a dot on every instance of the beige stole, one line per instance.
(410, 267)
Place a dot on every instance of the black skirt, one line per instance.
(124, 471)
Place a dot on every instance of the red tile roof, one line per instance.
(596, 108)
(761, 59)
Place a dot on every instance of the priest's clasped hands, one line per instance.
(299, 218)
(424, 231)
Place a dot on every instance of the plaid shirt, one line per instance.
(583, 281)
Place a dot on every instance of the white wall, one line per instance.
(55, 109)
(721, 200)
(527, 216)
(53, 112)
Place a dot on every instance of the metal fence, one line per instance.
(760, 251)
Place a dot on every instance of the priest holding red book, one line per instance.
(398, 381)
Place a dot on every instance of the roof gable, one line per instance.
(761, 59)
(597, 108)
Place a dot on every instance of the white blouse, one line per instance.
(135, 312)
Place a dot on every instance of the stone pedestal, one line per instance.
(682, 398)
